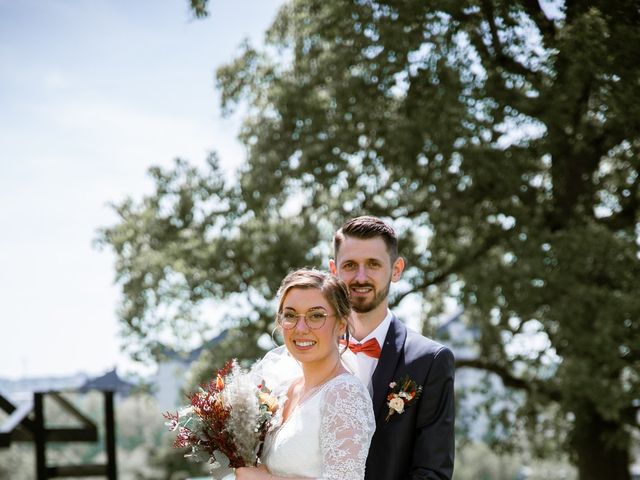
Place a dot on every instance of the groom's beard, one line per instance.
(361, 305)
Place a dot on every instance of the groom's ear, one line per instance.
(396, 269)
(332, 267)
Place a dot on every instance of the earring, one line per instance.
(275, 342)
(346, 337)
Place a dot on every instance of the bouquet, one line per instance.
(226, 420)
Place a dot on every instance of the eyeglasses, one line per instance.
(314, 319)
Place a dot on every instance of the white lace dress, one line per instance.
(326, 436)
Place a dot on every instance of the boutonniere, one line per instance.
(402, 394)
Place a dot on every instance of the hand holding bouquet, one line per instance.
(227, 418)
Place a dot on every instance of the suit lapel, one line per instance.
(383, 374)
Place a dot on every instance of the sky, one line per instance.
(92, 94)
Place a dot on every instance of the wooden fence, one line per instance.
(26, 423)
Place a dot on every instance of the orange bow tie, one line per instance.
(371, 347)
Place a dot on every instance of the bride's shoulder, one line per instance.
(347, 383)
(347, 377)
(347, 402)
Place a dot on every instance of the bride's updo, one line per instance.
(333, 289)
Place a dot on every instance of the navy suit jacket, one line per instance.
(419, 443)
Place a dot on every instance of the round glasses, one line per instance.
(314, 319)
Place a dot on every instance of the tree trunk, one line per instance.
(601, 448)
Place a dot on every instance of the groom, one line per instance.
(413, 439)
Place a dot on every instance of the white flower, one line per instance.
(392, 385)
(183, 412)
(397, 404)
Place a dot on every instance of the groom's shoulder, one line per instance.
(417, 345)
(420, 343)
(426, 354)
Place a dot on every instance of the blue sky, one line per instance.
(92, 93)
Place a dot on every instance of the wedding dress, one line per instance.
(326, 436)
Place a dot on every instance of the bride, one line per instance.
(324, 423)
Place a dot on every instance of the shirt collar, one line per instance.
(380, 332)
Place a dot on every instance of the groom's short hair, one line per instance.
(366, 227)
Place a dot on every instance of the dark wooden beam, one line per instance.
(17, 417)
(10, 408)
(80, 434)
(14, 427)
(40, 437)
(76, 471)
(19, 427)
(6, 405)
(110, 434)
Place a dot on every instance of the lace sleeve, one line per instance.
(347, 425)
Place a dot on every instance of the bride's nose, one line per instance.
(301, 324)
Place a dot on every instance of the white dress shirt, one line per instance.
(364, 363)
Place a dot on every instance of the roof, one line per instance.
(110, 381)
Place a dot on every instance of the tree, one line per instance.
(501, 139)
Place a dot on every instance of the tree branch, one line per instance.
(632, 416)
(627, 217)
(462, 261)
(510, 380)
(489, 14)
(496, 61)
(501, 58)
(545, 24)
(571, 167)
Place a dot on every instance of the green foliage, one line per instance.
(240, 343)
(144, 444)
(17, 463)
(199, 8)
(192, 241)
(476, 461)
(500, 142)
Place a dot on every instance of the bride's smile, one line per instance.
(304, 344)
